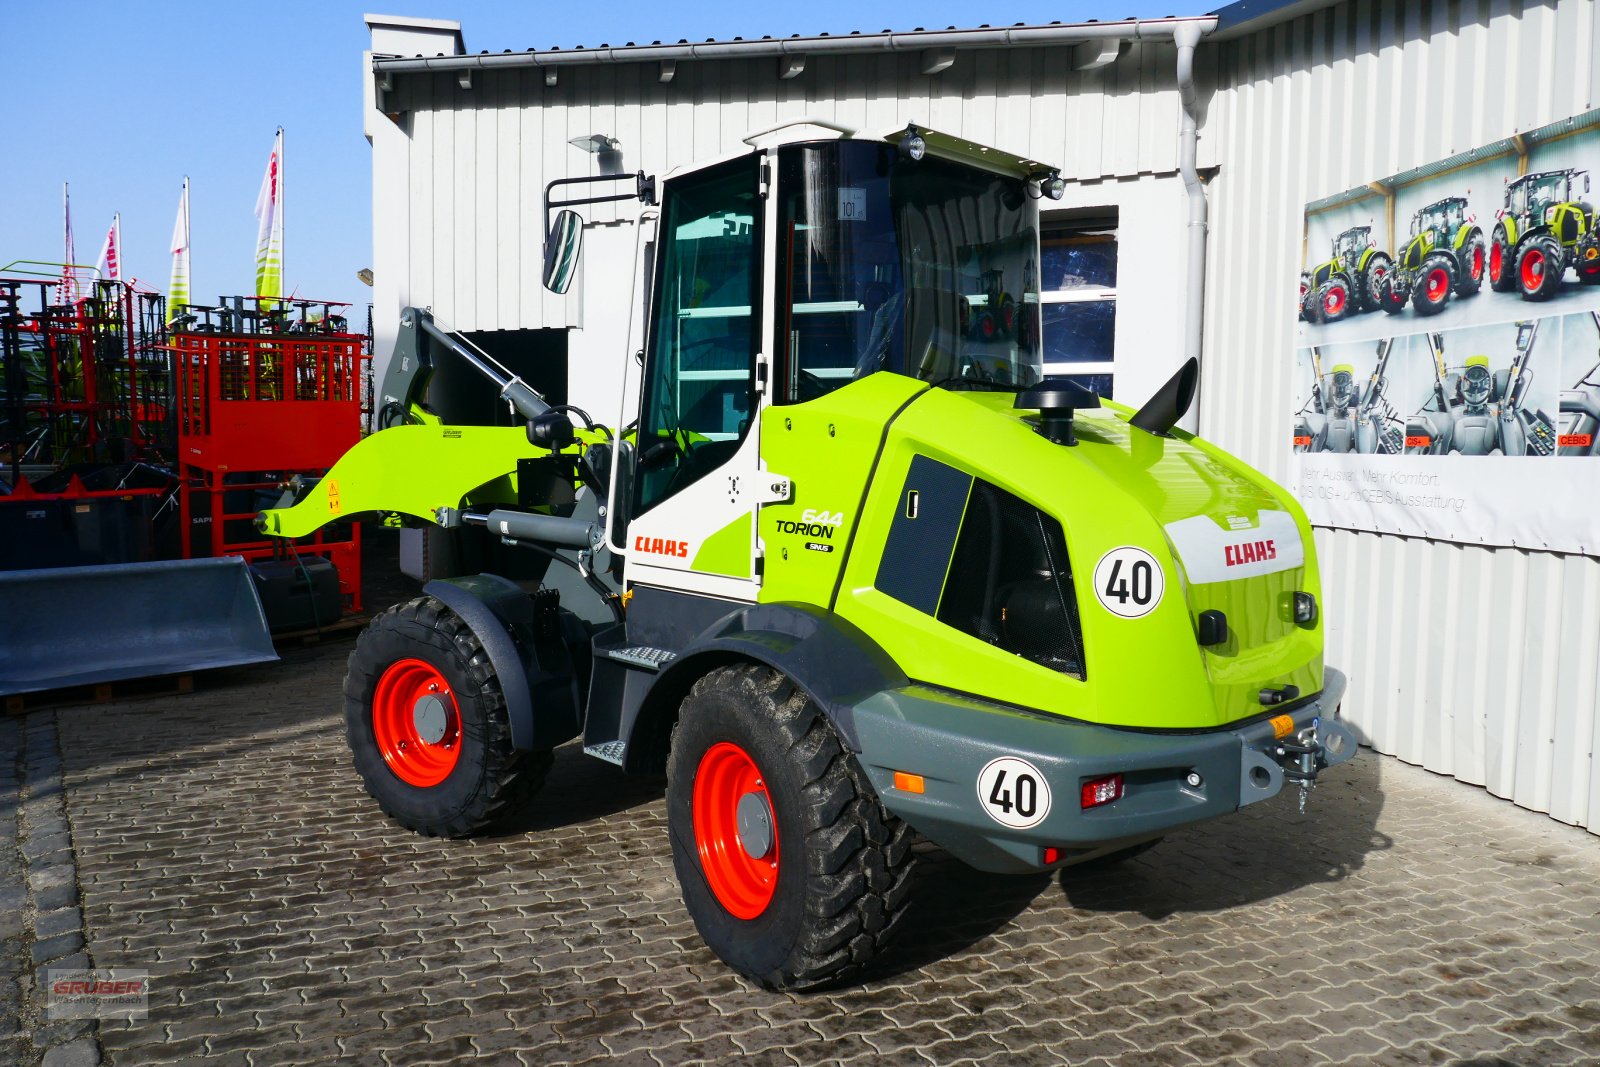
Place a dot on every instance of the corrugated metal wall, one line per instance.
(1479, 663)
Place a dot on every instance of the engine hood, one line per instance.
(1223, 537)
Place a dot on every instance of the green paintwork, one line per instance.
(1118, 487)
(825, 447)
(413, 470)
(727, 551)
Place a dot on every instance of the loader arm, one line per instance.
(410, 470)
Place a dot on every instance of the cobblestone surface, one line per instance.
(223, 843)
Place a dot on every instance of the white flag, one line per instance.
(178, 288)
(110, 262)
(269, 238)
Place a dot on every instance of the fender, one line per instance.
(1509, 225)
(834, 662)
(525, 640)
(1465, 234)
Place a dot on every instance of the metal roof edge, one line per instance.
(1021, 36)
(1247, 16)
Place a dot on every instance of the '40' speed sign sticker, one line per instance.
(1128, 582)
(1013, 792)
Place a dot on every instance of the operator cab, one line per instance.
(787, 272)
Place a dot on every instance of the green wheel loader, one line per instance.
(1541, 231)
(1443, 258)
(871, 575)
(1348, 282)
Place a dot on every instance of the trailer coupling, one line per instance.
(1299, 755)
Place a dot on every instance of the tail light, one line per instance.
(1098, 791)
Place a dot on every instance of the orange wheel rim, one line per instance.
(416, 723)
(735, 830)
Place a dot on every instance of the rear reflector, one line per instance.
(1100, 791)
(908, 783)
(1052, 855)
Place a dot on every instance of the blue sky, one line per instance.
(123, 100)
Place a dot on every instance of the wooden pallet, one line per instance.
(101, 693)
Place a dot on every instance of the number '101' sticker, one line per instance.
(1128, 582)
(1013, 792)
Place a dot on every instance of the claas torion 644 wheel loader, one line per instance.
(872, 576)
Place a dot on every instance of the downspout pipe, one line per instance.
(1187, 37)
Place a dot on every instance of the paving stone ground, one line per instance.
(223, 844)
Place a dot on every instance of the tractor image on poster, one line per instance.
(869, 578)
(1443, 258)
(1348, 282)
(1542, 230)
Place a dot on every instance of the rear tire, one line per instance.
(805, 883)
(1540, 266)
(1436, 280)
(1502, 261)
(427, 724)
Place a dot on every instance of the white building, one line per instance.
(1479, 662)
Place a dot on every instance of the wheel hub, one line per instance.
(754, 816)
(430, 718)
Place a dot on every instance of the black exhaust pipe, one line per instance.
(1162, 411)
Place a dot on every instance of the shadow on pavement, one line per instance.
(1265, 851)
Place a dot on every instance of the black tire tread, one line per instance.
(1508, 258)
(859, 856)
(510, 777)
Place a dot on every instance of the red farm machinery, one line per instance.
(133, 455)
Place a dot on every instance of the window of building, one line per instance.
(1078, 257)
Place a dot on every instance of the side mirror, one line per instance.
(562, 247)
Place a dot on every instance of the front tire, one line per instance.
(427, 724)
(1540, 266)
(1392, 293)
(1333, 299)
(792, 870)
(1435, 282)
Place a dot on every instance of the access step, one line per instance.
(650, 659)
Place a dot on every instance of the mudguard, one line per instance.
(529, 655)
(834, 662)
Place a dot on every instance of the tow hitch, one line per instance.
(1285, 750)
(1303, 756)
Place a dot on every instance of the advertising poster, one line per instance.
(1447, 362)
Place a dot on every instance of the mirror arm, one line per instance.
(644, 191)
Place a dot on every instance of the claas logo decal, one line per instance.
(656, 546)
(1249, 552)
